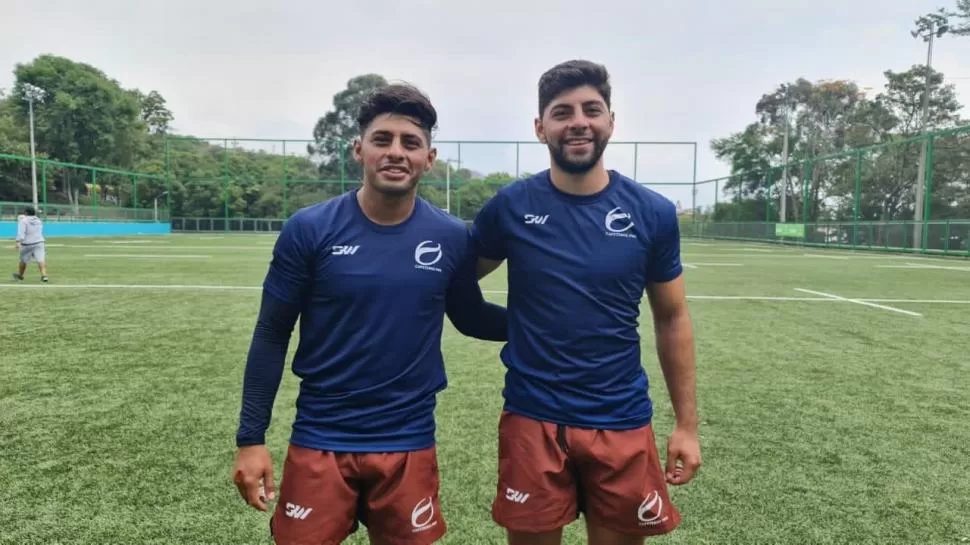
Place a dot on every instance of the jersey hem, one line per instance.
(361, 447)
(614, 425)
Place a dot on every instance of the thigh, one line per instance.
(316, 504)
(401, 505)
(26, 254)
(624, 482)
(536, 489)
(40, 253)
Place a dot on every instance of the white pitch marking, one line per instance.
(216, 287)
(179, 247)
(716, 265)
(134, 242)
(919, 267)
(689, 266)
(153, 256)
(823, 256)
(859, 302)
(135, 286)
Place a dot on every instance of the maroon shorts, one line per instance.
(549, 474)
(323, 495)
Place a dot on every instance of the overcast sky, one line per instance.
(683, 70)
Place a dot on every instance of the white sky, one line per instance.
(688, 70)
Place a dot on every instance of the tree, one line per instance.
(335, 131)
(154, 112)
(962, 14)
(86, 117)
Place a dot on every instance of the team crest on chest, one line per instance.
(619, 223)
(427, 254)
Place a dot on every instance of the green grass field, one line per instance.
(834, 393)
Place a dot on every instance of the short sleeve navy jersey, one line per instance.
(577, 270)
(372, 307)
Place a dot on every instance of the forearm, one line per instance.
(264, 368)
(485, 321)
(675, 349)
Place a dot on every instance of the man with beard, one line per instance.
(582, 244)
(370, 274)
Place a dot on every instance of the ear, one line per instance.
(357, 154)
(432, 157)
(539, 131)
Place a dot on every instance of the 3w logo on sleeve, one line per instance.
(345, 250)
(532, 219)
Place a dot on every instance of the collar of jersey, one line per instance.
(546, 181)
(376, 227)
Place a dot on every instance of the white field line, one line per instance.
(153, 256)
(822, 256)
(695, 265)
(826, 298)
(173, 248)
(920, 266)
(134, 241)
(690, 266)
(859, 302)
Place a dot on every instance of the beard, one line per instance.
(577, 165)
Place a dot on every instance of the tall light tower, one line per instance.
(448, 163)
(928, 28)
(32, 94)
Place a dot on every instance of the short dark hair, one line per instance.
(569, 75)
(30, 211)
(400, 99)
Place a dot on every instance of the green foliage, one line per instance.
(830, 120)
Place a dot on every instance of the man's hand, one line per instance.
(683, 456)
(253, 475)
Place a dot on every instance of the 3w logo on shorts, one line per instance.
(515, 495)
(297, 512)
(345, 250)
(422, 516)
(650, 512)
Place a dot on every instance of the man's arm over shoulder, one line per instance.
(284, 291)
(488, 236)
(675, 343)
(466, 306)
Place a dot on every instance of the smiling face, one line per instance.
(575, 120)
(394, 148)
(394, 153)
(576, 126)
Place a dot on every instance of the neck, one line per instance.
(588, 183)
(385, 209)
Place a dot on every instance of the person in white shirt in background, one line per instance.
(30, 242)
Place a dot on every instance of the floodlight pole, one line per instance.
(33, 93)
(929, 34)
(448, 184)
(156, 204)
(784, 159)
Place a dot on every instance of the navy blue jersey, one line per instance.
(371, 303)
(577, 270)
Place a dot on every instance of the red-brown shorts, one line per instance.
(323, 495)
(549, 474)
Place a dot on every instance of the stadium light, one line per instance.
(32, 94)
(156, 204)
(929, 28)
(448, 182)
